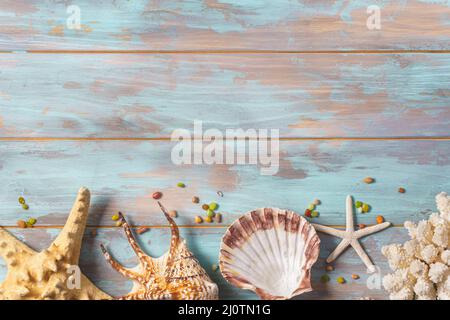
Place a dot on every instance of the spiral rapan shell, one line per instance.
(271, 252)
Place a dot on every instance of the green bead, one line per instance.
(365, 208)
(32, 221)
(210, 213)
(315, 214)
(181, 184)
(21, 200)
(25, 206)
(325, 278)
(213, 206)
(358, 204)
(312, 206)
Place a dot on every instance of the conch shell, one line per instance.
(270, 251)
(177, 275)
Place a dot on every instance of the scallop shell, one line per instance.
(270, 251)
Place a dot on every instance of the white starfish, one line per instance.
(350, 236)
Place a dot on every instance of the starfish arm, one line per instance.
(372, 229)
(329, 230)
(349, 223)
(119, 268)
(143, 258)
(363, 255)
(92, 292)
(339, 249)
(70, 238)
(9, 246)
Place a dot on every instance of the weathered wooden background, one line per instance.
(96, 106)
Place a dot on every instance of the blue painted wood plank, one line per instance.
(149, 96)
(222, 24)
(205, 245)
(122, 175)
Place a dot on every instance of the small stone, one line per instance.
(173, 213)
(316, 202)
(380, 219)
(213, 206)
(181, 185)
(340, 280)
(205, 207)
(118, 223)
(195, 199)
(157, 195)
(25, 206)
(329, 268)
(210, 213)
(365, 208)
(315, 214)
(208, 219)
(218, 217)
(21, 224)
(325, 278)
(401, 190)
(198, 219)
(361, 226)
(355, 276)
(369, 180)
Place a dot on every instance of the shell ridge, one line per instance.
(257, 253)
(268, 262)
(276, 265)
(246, 260)
(261, 214)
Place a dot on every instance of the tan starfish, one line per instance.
(51, 273)
(350, 236)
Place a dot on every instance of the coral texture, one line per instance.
(421, 265)
(52, 273)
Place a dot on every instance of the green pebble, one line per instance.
(358, 204)
(32, 221)
(340, 280)
(325, 278)
(315, 214)
(312, 206)
(181, 184)
(213, 206)
(25, 206)
(365, 208)
(21, 200)
(210, 213)
(360, 210)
